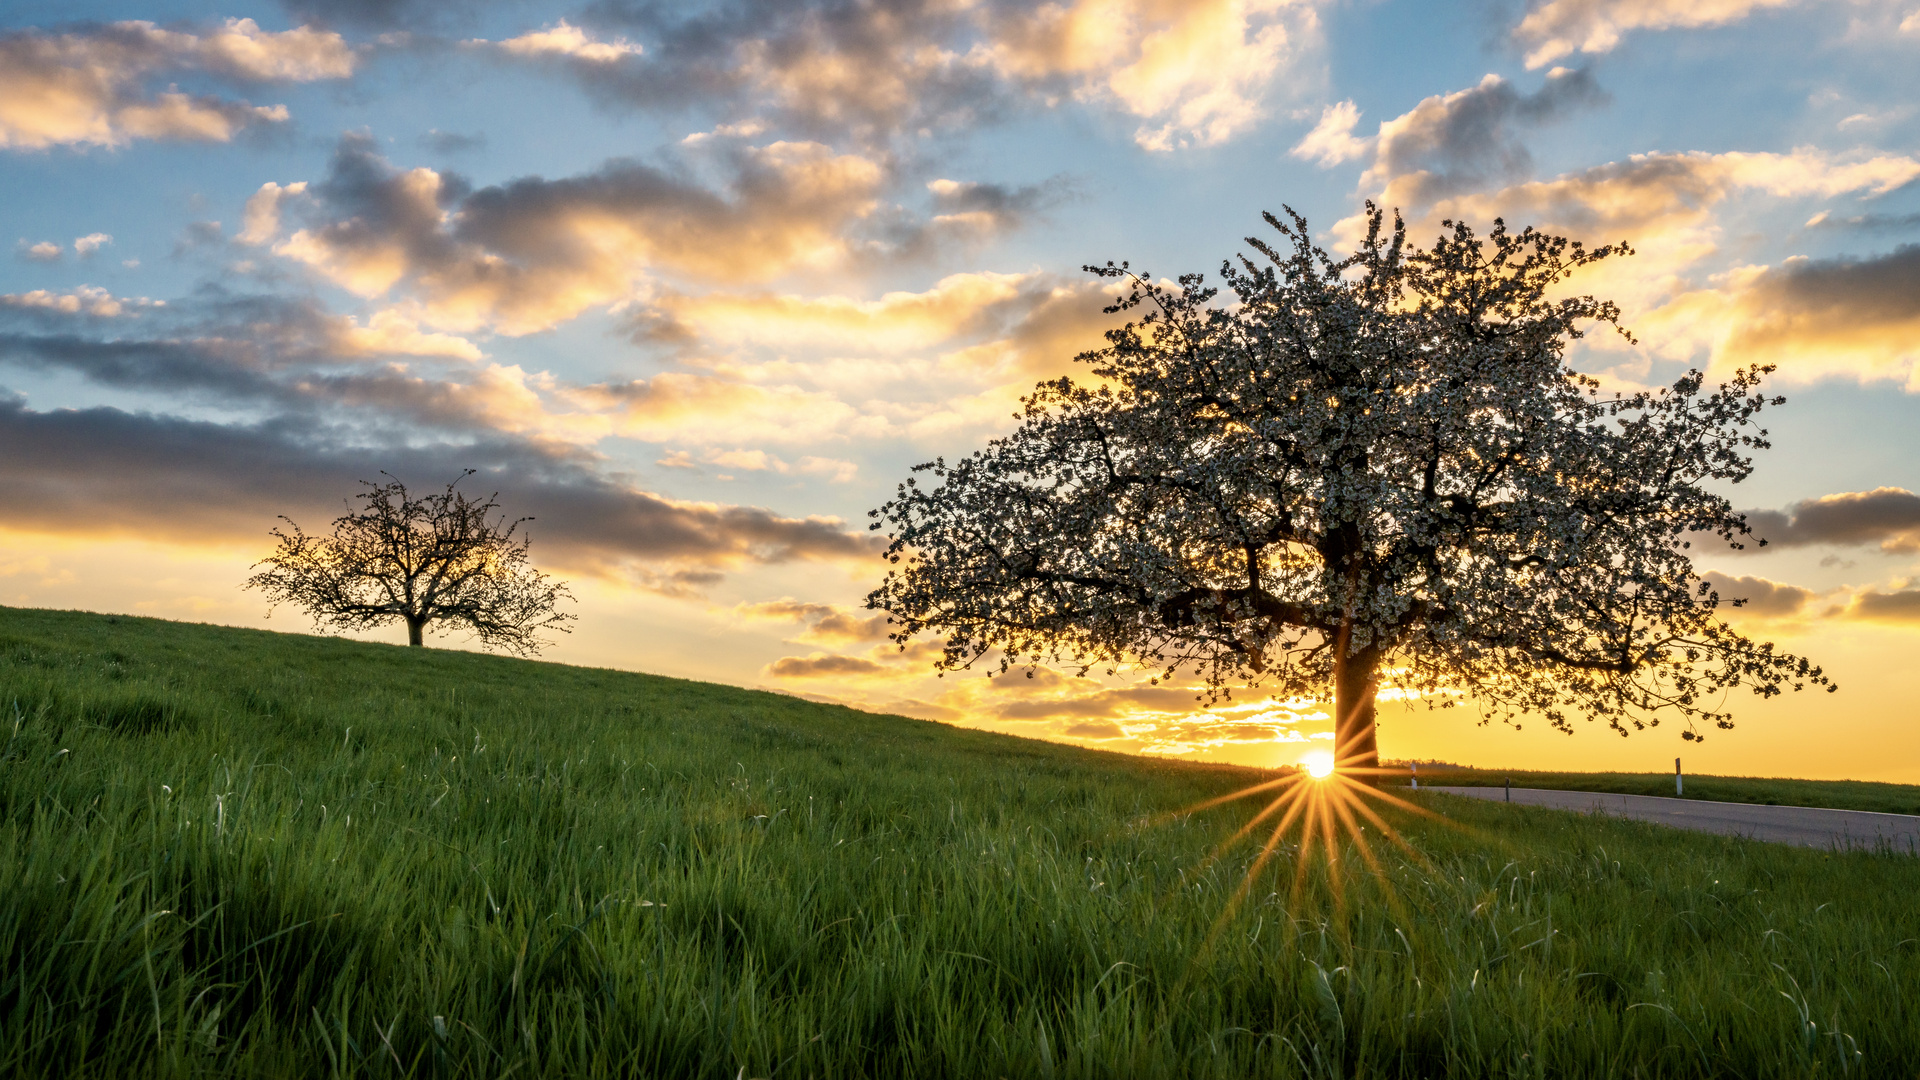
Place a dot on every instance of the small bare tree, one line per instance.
(435, 558)
(1369, 471)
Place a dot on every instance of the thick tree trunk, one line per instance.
(415, 627)
(1356, 755)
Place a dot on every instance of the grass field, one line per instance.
(233, 853)
(1771, 791)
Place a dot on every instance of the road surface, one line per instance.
(1804, 825)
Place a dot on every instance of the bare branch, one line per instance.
(437, 558)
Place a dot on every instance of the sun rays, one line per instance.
(1327, 810)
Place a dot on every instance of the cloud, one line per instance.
(988, 209)
(87, 87)
(832, 68)
(946, 363)
(198, 234)
(248, 353)
(86, 299)
(1865, 222)
(1887, 516)
(390, 333)
(44, 251)
(1666, 205)
(826, 624)
(1759, 598)
(452, 142)
(1100, 704)
(1332, 140)
(1900, 608)
(260, 220)
(102, 471)
(956, 306)
(1200, 68)
(1666, 191)
(565, 40)
(720, 410)
(1558, 28)
(943, 364)
(1818, 317)
(85, 246)
(1468, 139)
(532, 253)
(1462, 157)
(1153, 719)
(1196, 72)
(982, 324)
(822, 666)
(402, 16)
(785, 609)
(833, 469)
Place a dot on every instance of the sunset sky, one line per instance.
(697, 285)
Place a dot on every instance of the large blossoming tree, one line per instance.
(1369, 471)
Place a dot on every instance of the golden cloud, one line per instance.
(1853, 317)
(714, 409)
(1195, 72)
(565, 40)
(85, 87)
(1757, 597)
(896, 322)
(86, 299)
(1666, 205)
(102, 472)
(1888, 517)
(1201, 69)
(826, 624)
(261, 217)
(533, 253)
(1898, 608)
(824, 666)
(1559, 28)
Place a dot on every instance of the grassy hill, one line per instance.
(232, 853)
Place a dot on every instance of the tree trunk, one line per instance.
(415, 627)
(1356, 679)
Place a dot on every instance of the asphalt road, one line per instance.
(1804, 825)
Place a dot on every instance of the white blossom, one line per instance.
(1366, 471)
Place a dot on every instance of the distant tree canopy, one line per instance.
(440, 557)
(1370, 471)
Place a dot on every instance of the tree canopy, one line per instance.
(1376, 470)
(440, 557)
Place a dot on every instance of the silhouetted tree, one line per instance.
(436, 558)
(1370, 471)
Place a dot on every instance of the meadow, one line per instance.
(1867, 795)
(233, 853)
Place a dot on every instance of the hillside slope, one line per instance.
(226, 852)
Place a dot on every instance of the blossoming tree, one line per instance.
(1370, 471)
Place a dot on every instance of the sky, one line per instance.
(695, 286)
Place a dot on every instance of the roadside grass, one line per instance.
(232, 853)
(1770, 791)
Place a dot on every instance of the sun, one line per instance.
(1319, 764)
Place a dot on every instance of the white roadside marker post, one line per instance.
(1415, 766)
(1678, 788)
(1509, 789)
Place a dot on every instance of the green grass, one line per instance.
(234, 853)
(1770, 791)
